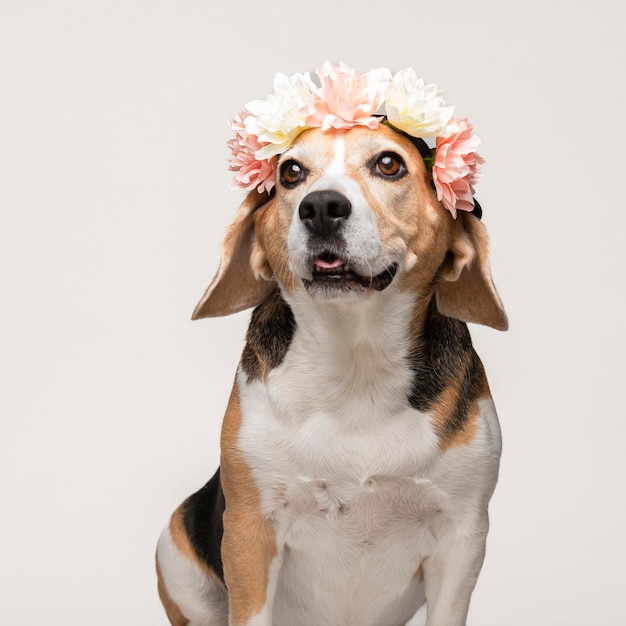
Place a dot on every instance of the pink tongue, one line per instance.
(328, 265)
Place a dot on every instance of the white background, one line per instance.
(114, 193)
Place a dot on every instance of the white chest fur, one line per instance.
(335, 414)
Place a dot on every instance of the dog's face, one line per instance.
(353, 215)
(349, 206)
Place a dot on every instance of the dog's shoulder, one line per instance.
(449, 380)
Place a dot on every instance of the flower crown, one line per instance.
(266, 128)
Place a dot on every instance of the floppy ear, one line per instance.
(466, 290)
(242, 280)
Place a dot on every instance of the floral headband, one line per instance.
(266, 128)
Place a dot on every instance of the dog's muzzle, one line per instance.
(323, 214)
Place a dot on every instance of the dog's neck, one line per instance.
(347, 359)
(359, 361)
(381, 324)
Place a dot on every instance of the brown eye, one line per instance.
(291, 173)
(389, 165)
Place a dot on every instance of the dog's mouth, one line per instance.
(330, 271)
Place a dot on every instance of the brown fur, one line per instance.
(235, 287)
(449, 402)
(249, 544)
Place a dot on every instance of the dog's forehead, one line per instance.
(362, 143)
(314, 147)
(319, 149)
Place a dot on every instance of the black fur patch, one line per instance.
(202, 516)
(268, 338)
(442, 354)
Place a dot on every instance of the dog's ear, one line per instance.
(243, 279)
(466, 290)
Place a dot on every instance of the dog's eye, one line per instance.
(291, 173)
(389, 165)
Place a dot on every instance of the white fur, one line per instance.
(205, 601)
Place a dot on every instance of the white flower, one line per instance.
(417, 109)
(278, 120)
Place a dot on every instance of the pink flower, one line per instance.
(251, 172)
(348, 99)
(457, 167)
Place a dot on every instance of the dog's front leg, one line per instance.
(250, 550)
(252, 562)
(450, 575)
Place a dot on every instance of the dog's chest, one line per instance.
(337, 452)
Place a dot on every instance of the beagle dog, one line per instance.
(360, 445)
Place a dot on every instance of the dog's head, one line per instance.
(354, 216)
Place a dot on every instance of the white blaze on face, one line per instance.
(359, 232)
(337, 168)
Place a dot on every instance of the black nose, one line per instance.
(323, 212)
